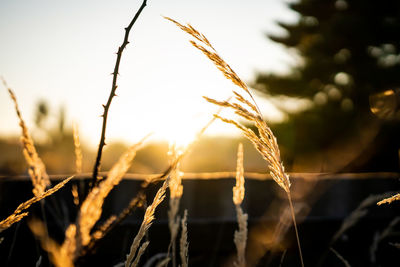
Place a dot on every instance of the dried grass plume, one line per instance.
(265, 142)
(37, 169)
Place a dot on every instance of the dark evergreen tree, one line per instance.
(350, 51)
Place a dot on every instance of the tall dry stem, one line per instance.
(140, 253)
(265, 142)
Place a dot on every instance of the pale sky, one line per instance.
(64, 51)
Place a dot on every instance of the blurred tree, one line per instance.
(45, 124)
(42, 111)
(61, 121)
(56, 147)
(350, 51)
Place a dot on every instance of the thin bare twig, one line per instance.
(114, 86)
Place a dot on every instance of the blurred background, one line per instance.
(325, 74)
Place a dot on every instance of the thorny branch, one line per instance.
(114, 86)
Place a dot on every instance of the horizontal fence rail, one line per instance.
(226, 175)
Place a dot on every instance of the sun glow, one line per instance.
(181, 131)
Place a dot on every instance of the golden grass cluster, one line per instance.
(79, 235)
(36, 170)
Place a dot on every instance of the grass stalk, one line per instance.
(340, 257)
(183, 244)
(240, 236)
(295, 228)
(78, 163)
(176, 191)
(144, 227)
(282, 258)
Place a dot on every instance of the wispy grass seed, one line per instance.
(265, 142)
